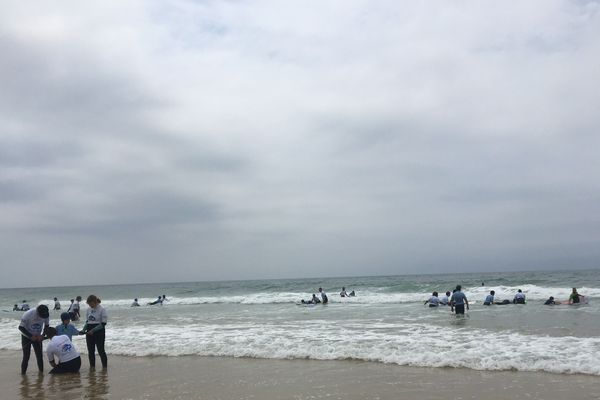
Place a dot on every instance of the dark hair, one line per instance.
(51, 332)
(94, 298)
(458, 287)
(435, 293)
(78, 298)
(43, 311)
(492, 293)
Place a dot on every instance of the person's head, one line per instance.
(519, 291)
(574, 290)
(492, 292)
(55, 299)
(448, 293)
(320, 290)
(24, 301)
(72, 300)
(135, 299)
(314, 295)
(78, 298)
(65, 318)
(159, 297)
(16, 305)
(551, 298)
(343, 288)
(435, 294)
(50, 332)
(164, 297)
(92, 300)
(458, 288)
(42, 311)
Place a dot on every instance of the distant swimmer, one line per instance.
(157, 301)
(550, 301)
(433, 301)
(519, 297)
(458, 301)
(62, 349)
(489, 299)
(164, 298)
(445, 299)
(314, 300)
(323, 296)
(16, 308)
(24, 306)
(135, 303)
(343, 292)
(56, 304)
(352, 294)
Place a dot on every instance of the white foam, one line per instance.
(415, 344)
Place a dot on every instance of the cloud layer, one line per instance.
(144, 141)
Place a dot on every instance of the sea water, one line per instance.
(386, 322)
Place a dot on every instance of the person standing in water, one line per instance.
(323, 296)
(94, 329)
(458, 301)
(33, 324)
(66, 328)
(575, 298)
(135, 303)
(74, 309)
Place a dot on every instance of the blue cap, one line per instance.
(65, 316)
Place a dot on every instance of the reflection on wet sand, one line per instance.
(65, 386)
(91, 384)
(97, 385)
(31, 388)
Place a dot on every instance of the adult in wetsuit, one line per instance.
(574, 298)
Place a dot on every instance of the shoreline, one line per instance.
(197, 377)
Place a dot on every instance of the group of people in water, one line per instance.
(457, 300)
(324, 299)
(61, 352)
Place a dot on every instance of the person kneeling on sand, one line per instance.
(61, 348)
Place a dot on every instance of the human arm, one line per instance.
(467, 302)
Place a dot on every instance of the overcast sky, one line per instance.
(161, 141)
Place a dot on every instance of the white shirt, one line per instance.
(60, 346)
(433, 300)
(520, 295)
(33, 323)
(96, 315)
(444, 300)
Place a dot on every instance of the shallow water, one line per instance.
(386, 322)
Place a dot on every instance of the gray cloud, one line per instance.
(226, 140)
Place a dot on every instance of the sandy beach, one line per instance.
(192, 377)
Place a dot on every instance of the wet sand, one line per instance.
(192, 377)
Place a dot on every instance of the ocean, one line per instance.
(386, 322)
